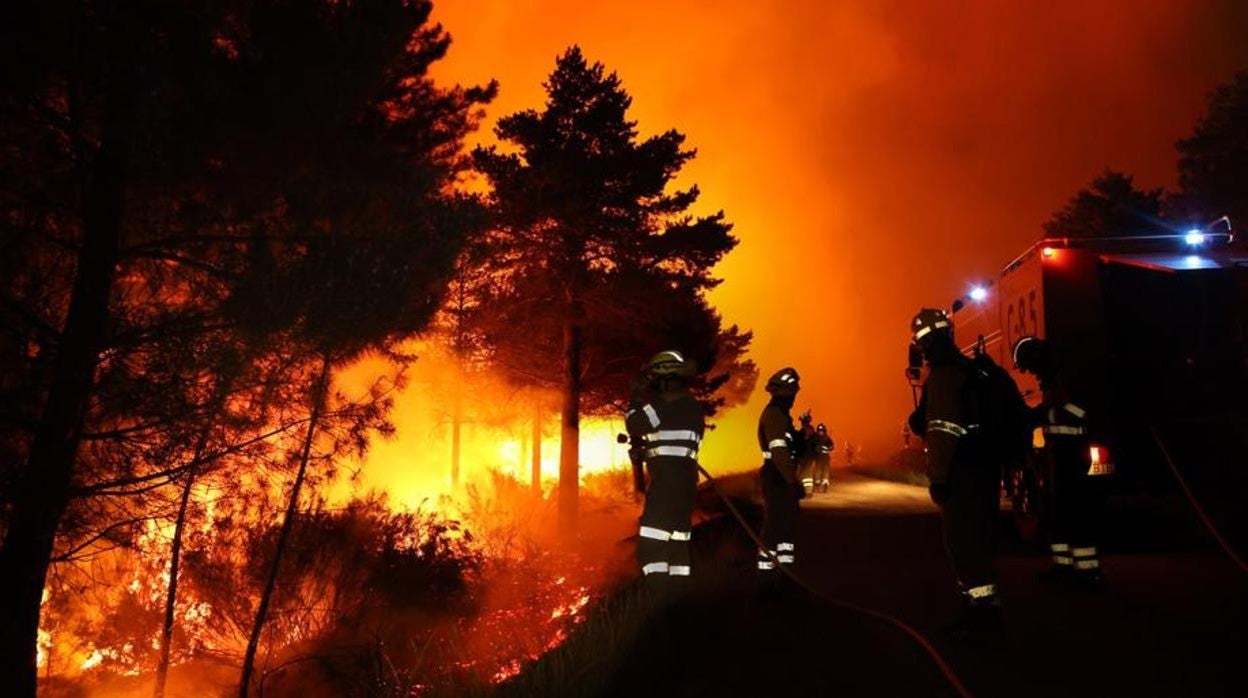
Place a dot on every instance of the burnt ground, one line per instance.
(1174, 621)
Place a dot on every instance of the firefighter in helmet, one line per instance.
(964, 481)
(804, 438)
(1075, 482)
(821, 446)
(782, 490)
(667, 423)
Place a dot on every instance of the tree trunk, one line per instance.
(320, 390)
(175, 550)
(570, 433)
(457, 419)
(535, 452)
(171, 596)
(460, 347)
(42, 491)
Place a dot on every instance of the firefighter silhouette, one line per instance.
(778, 477)
(964, 480)
(667, 427)
(821, 447)
(1076, 483)
(803, 438)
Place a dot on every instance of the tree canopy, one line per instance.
(195, 191)
(1213, 161)
(597, 254)
(1110, 206)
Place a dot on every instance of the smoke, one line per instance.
(875, 156)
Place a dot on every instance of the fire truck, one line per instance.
(1152, 336)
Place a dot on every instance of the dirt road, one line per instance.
(1174, 621)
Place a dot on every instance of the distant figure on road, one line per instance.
(668, 423)
(781, 489)
(964, 479)
(805, 453)
(1076, 481)
(822, 446)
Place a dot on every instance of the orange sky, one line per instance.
(874, 156)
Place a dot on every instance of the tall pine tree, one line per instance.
(598, 262)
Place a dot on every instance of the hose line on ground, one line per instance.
(950, 675)
(1191, 499)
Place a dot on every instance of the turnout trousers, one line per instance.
(1078, 504)
(823, 469)
(781, 509)
(806, 473)
(663, 539)
(969, 524)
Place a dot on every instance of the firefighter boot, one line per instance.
(1087, 582)
(978, 622)
(1059, 573)
(1087, 570)
(658, 588)
(977, 625)
(770, 587)
(1056, 577)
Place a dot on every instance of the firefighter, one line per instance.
(669, 427)
(1078, 494)
(964, 481)
(822, 446)
(782, 490)
(802, 447)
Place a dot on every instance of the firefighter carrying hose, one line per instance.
(821, 446)
(964, 480)
(781, 489)
(1078, 494)
(667, 423)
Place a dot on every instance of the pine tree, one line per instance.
(185, 175)
(1213, 161)
(597, 258)
(1110, 206)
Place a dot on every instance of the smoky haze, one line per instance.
(874, 156)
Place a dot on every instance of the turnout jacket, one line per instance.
(1062, 421)
(670, 425)
(775, 439)
(946, 415)
(823, 444)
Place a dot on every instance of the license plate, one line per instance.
(1101, 469)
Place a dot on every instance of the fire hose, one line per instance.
(950, 675)
(1191, 499)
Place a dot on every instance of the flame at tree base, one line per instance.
(521, 592)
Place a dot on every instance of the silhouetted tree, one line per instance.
(1109, 206)
(588, 236)
(457, 328)
(1213, 161)
(184, 174)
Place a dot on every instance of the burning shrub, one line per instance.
(504, 595)
(369, 601)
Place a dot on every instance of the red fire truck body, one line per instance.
(1151, 334)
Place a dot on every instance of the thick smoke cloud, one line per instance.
(875, 156)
